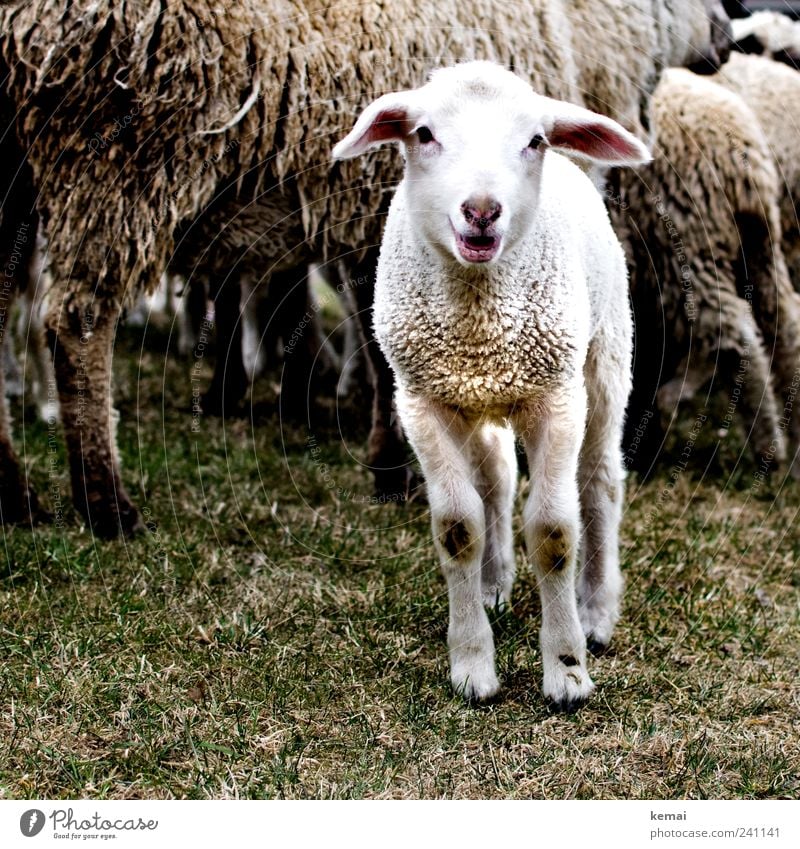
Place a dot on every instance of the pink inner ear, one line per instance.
(390, 124)
(595, 140)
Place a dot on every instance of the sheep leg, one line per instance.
(44, 379)
(764, 282)
(387, 453)
(690, 377)
(18, 502)
(786, 379)
(757, 401)
(351, 353)
(18, 225)
(252, 351)
(752, 394)
(600, 478)
(81, 338)
(12, 373)
(191, 314)
(495, 462)
(551, 432)
(306, 362)
(440, 438)
(229, 383)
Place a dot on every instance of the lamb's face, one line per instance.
(473, 171)
(475, 141)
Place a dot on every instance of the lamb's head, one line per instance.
(475, 140)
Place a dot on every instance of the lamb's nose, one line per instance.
(481, 213)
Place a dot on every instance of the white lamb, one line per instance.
(501, 303)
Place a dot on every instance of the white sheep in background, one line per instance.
(772, 90)
(501, 304)
(770, 34)
(711, 291)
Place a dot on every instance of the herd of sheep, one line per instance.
(193, 139)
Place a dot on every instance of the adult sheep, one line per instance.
(769, 34)
(710, 287)
(772, 90)
(145, 124)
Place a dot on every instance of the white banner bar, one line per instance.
(407, 824)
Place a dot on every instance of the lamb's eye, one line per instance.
(424, 135)
(536, 142)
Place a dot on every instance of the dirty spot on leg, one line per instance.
(455, 539)
(553, 547)
(568, 660)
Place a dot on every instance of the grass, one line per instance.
(277, 635)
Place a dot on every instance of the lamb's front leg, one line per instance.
(552, 432)
(439, 437)
(494, 459)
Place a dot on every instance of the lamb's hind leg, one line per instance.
(440, 438)
(600, 477)
(495, 461)
(551, 432)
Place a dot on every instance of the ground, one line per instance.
(276, 634)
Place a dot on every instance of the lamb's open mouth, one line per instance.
(478, 248)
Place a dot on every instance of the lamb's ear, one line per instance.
(577, 130)
(387, 119)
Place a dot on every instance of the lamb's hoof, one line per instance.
(567, 685)
(476, 689)
(472, 672)
(566, 706)
(598, 625)
(596, 647)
